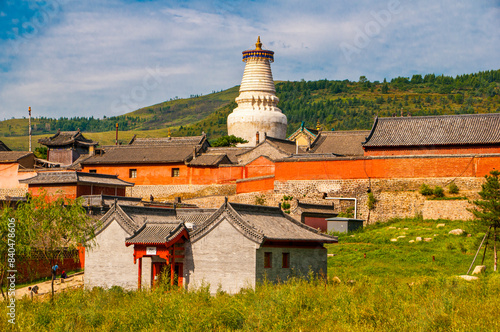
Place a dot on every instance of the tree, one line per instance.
(488, 208)
(57, 226)
(15, 242)
(228, 141)
(385, 88)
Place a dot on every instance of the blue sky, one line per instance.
(94, 58)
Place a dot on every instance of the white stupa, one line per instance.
(257, 111)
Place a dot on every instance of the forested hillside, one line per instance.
(345, 105)
(337, 105)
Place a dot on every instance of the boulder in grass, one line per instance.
(457, 231)
(468, 278)
(418, 239)
(411, 241)
(394, 240)
(440, 225)
(479, 269)
(428, 239)
(336, 280)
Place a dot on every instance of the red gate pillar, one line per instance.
(140, 274)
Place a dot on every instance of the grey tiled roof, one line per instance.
(208, 159)
(60, 177)
(277, 226)
(12, 156)
(155, 233)
(62, 138)
(194, 216)
(155, 141)
(231, 152)
(435, 130)
(143, 154)
(315, 208)
(286, 146)
(342, 143)
(141, 214)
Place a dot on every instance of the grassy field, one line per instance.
(397, 287)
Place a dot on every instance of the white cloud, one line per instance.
(92, 54)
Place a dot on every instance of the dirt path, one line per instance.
(74, 281)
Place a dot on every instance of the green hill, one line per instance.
(337, 105)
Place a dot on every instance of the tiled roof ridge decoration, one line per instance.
(66, 138)
(246, 229)
(136, 237)
(121, 217)
(457, 129)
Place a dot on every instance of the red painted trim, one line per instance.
(140, 274)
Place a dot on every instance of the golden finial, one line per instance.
(168, 132)
(258, 44)
(318, 126)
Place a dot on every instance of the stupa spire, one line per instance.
(258, 44)
(257, 110)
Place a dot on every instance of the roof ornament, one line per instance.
(225, 202)
(258, 44)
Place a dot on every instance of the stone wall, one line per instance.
(12, 192)
(395, 197)
(168, 192)
(454, 210)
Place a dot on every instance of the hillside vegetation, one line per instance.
(397, 287)
(337, 105)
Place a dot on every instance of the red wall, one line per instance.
(411, 167)
(259, 167)
(431, 150)
(255, 185)
(31, 269)
(54, 190)
(162, 174)
(317, 223)
(211, 175)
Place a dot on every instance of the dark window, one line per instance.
(286, 260)
(92, 171)
(175, 172)
(132, 173)
(268, 258)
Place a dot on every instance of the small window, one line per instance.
(268, 258)
(132, 173)
(92, 171)
(285, 260)
(175, 172)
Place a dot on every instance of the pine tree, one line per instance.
(488, 208)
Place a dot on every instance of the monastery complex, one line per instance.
(391, 161)
(185, 197)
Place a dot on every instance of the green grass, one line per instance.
(397, 287)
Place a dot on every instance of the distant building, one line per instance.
(73, 184)
(65, 147)
(230, 248)
(4, 147)
(257, 111)
(430, 135)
